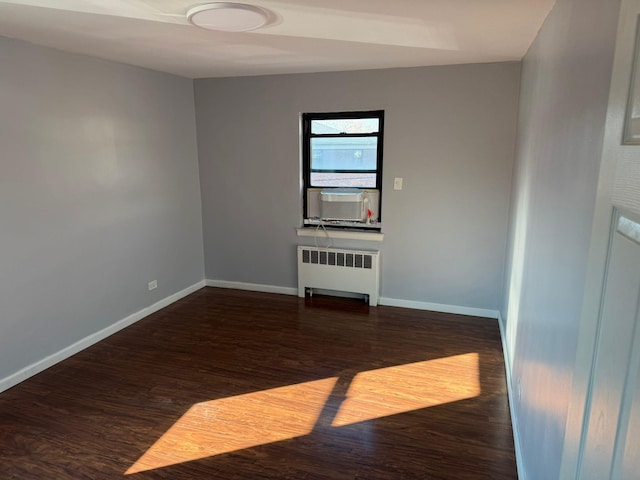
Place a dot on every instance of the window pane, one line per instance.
(362, 180)
(344, 153)
(345, 125)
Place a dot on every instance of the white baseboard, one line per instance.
(511, 394)
(438, 307)
(391, 302)
(80, 345)
(253, 287)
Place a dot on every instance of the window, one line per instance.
(343, 151)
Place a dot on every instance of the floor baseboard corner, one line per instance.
(253, 287)
(511, 395)
(40, 365)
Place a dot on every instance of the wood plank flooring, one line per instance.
(228, 384)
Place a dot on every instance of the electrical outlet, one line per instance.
(397, 183)
(153, 284)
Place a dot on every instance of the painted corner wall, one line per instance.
(563, 103)
(449, 132)
(99, 194)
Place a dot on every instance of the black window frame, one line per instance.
(307, 135)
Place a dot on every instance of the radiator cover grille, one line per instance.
(337, 258)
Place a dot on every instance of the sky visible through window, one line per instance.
(346, 125)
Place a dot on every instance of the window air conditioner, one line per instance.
(342, 204)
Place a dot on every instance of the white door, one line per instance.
(611, 446)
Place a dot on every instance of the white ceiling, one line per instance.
(302, 36)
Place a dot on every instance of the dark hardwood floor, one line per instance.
(228, 384)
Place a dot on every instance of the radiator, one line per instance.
(354, 271)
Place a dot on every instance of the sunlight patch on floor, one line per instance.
(235, 423)
(404, 388)
(244, 421)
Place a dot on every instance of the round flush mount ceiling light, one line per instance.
(227, 16)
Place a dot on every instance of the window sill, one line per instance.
(343, 234)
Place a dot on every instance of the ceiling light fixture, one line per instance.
(227, 16)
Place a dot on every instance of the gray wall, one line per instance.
(99, 194)
(563, 102)
(449, 132)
